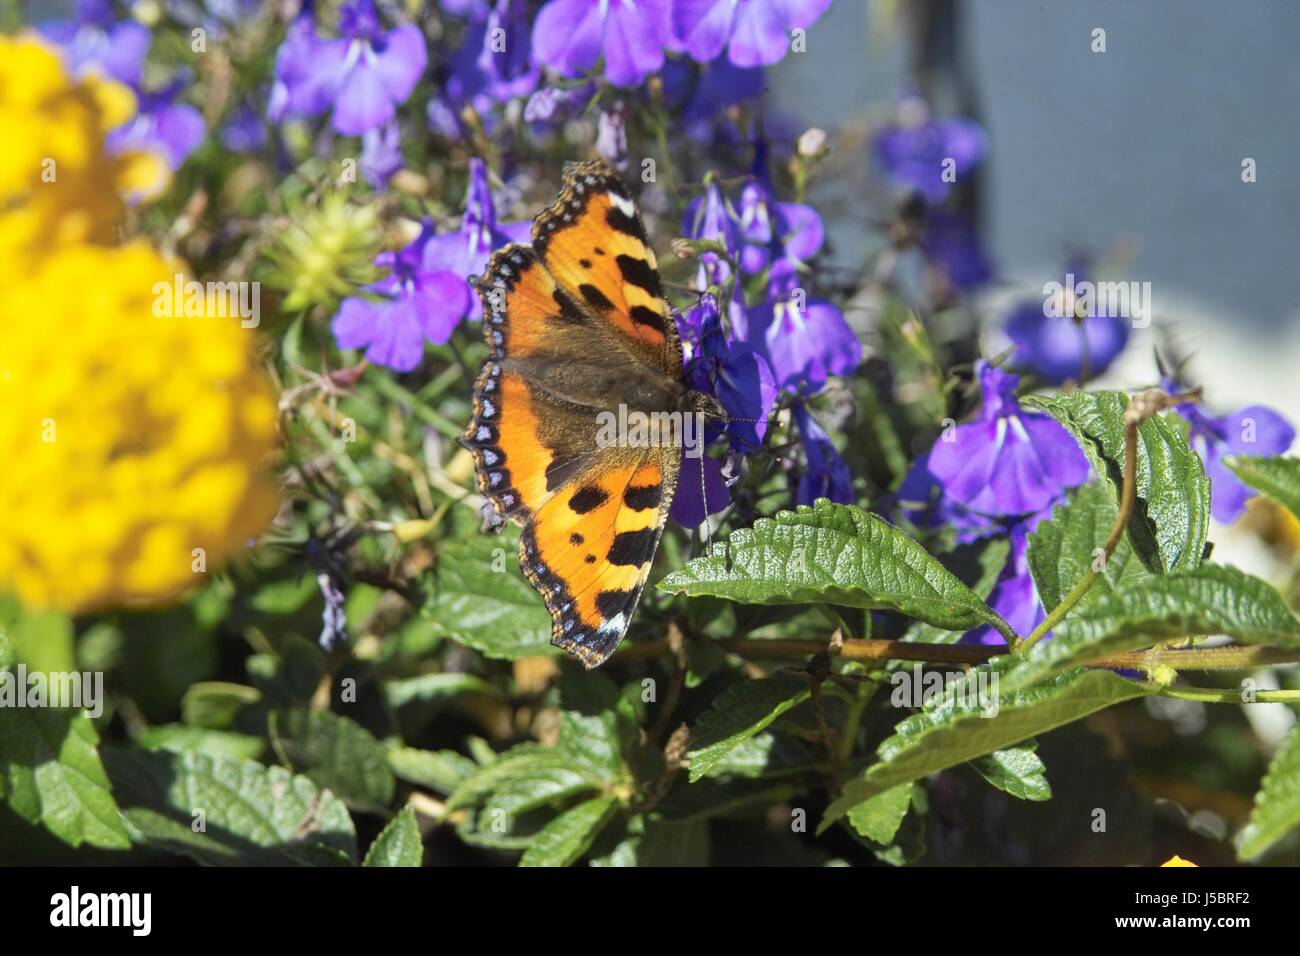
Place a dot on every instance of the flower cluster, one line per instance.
(135, 447)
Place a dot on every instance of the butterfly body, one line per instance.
(581, 342)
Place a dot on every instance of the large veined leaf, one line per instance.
(741, 711)
(570, 834)
(1211, 600)
(478, 597)
(981, 564)
(1171, 516)
(398, 844)
(837, 554)
(1277, 805)
(225, 812)
(1278, 477)
(1071, 543)
(956, 731)
(50, 773)
(337, 753)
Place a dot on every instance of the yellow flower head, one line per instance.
(135, 444)
(57, 184)
(1177, 861)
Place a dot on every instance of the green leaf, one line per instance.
(597, 725)
(835, 554)
(1067, 546)
(570, 834)
(51, 774)
(214, 704)
(477, 597)
(252, 815)
(1213, 599)
(1017, 771)
(738, 713)
(1171, 515)
(181, 738)
(1277, 805)
(440, 770)
(765, 755)
(955, 732)
(1277, 477)
(398, 844)
(337, 753)
(434, 688)
(980, 565)
(879, 818)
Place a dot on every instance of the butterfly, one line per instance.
(579, 336)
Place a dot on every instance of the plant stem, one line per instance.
(1219, 695)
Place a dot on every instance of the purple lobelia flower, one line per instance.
(554, 105)
(804, 339)
(243, 131)
(921, 500)
(465, 251)
(729, 370)
(570, 36)
(161, 125)
(362, 75)
(381, 155)
(826, 474)
(772, 230)
(1010, 461)
(701, 491)
(753, 32)
(1056, 342)
(952, 245)
(709, 217)
(93, 40)
(1252, 431)
(699, 94)
(915, 153)
(415, 303)
(505, 59)
(1014, 596)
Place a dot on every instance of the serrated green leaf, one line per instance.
(741, 711)
(337, 753)
(440, 770)
(570, 834)
(836, 554)
(1171, 516)
(1277, 804)
(1063, 549)
(214, 704)
(879, 818)
(519, 764)
(251, 814)
(432, 688)
(1278, 477)
(763, 755)
(597, 724)
(981, 564)
(655, 842)
(478, 597)
(51, 774)
(398, 844)
(955, 732)
(1017, 771)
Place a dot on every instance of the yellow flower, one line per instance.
(57, 185)
(1176, 860)
(134, 446)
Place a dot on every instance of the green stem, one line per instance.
(1217, 695)
(419, 409)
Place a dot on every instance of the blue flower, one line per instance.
(753, 32)
(94, 41)
(363, 75)
(805, 339)
(952, 245)
(914, 153)
(161, 125)
(826, 474)
(413, 304)
(1010, 461)
(1054, 342)
(571, 36)
(1014, 596)
(465, 251)
(381, 155)
(1252, 431)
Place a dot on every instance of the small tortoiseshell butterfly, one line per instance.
(578, 330)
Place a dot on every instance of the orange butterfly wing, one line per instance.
(566, 321)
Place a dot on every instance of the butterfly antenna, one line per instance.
(708, 525)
